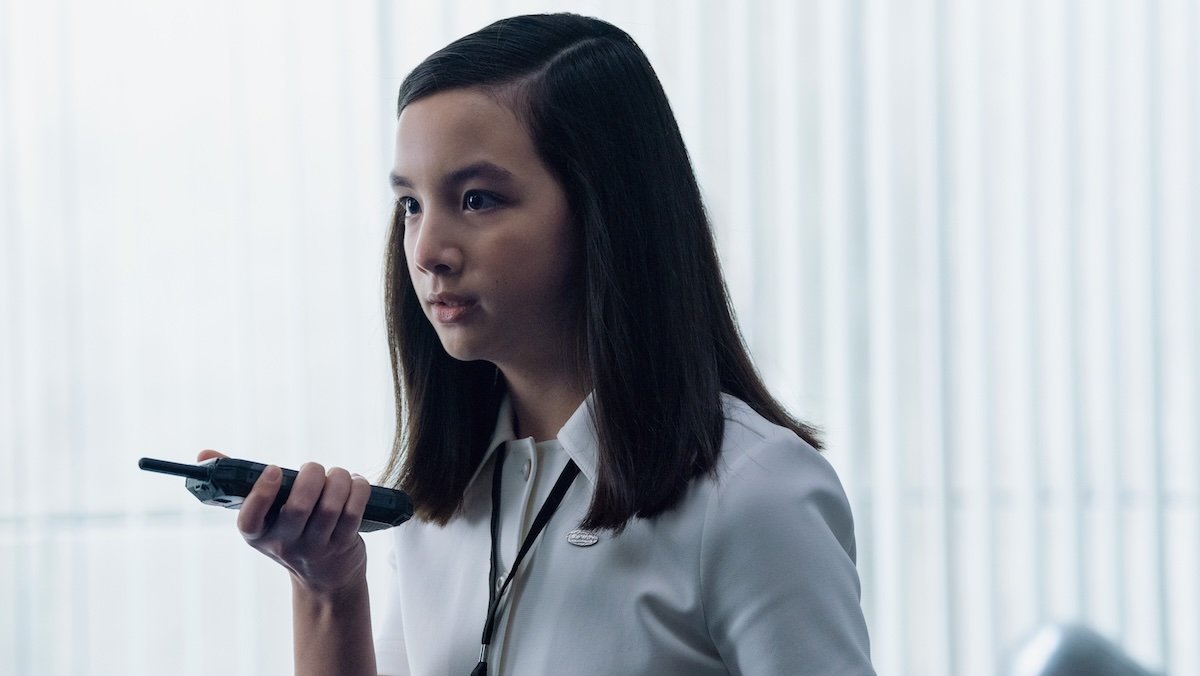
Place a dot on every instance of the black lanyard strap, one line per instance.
(565, 478)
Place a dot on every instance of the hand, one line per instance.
(315, 536)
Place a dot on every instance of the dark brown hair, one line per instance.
(658, 340)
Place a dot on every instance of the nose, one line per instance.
(434, 248)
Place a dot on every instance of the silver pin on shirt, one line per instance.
(582, 538)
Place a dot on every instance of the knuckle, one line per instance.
(249, 527)
(294, 512)
(354, 511)
(328, 512)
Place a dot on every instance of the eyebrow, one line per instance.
(482, 169)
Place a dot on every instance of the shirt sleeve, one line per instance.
(391, 654)
(778, 582)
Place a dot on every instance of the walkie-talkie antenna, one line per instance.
(198, 472)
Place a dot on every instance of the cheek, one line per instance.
(521, 266)
(552, 276)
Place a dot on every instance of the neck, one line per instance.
(543, 403)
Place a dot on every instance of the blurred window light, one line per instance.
(962, 237)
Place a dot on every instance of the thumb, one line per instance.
(209, 455)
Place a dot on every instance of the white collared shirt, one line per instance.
(751, 573)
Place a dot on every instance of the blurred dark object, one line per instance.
(1073, 650)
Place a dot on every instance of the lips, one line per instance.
(449, 308)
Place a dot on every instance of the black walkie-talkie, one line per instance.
(225, 482)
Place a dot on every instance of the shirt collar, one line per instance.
(577, 437)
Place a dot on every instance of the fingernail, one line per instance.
(272, 473)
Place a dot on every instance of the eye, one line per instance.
(476, 200)
(409, 206)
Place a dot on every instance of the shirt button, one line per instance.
(525, 469)
(500, 580)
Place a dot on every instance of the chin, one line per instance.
(461, 351)
(457, 353)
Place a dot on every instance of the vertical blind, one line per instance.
(963, 237)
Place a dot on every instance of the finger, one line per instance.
(252, 517)
(329, 508)
(352, 513)
(294, 515)
(209, 455)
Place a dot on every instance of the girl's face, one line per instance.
(487, 232)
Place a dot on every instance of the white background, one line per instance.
(961, 236)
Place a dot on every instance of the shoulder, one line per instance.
(765, 468)
(777, 577)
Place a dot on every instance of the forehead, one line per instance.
(450, 129)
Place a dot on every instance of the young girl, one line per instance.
(603, 484)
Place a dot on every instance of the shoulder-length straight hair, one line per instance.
(657, 339)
